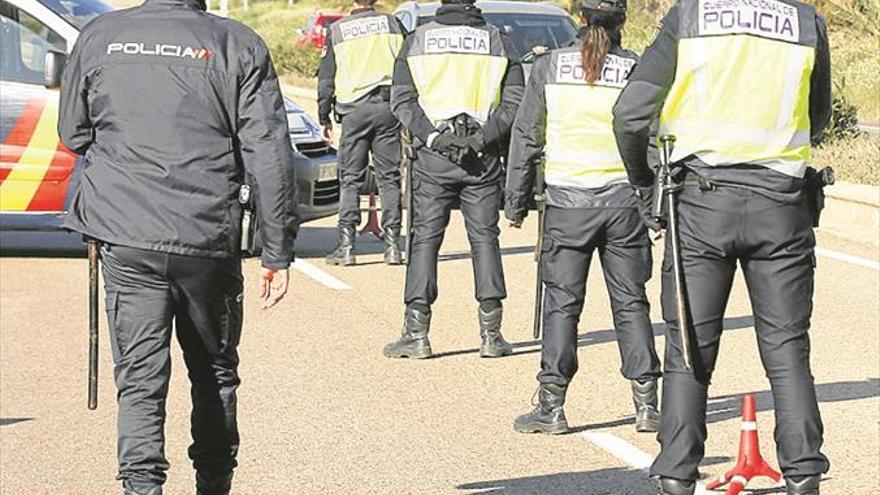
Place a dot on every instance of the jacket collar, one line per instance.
(187, 4)
(460, 15)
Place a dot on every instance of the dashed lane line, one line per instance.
(319, 275)
(848, 258)
(627, 453)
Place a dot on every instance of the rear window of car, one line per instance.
(527, 31)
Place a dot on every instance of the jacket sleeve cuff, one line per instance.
(277, 265)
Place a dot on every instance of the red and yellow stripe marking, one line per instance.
(17, 140)
(27, 187)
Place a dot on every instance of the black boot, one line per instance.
(645, 402)
(213, 484)
(548, 416)
(670, 486)
(344, 254)
(493, 344)
(413, 341)
(392, 247)
(130, 490)
(804, 486)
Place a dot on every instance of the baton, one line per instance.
(541, 205)
(407, 162)
(93, 324)
(681, 306)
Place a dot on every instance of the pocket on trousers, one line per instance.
(230, 321)
(117, 341)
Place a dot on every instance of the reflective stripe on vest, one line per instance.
(581, 150)
(457, 69)
(365, 47)
(742, 85)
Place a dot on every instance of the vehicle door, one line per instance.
(35, 168)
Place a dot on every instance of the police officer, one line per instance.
(457, 85)
(172, 107)
(743, 86)
(566, 118)
(355, 73)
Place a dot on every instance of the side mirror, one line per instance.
(53, 69)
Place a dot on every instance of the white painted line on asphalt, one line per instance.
(848, 258)
(319, 275)
(627, 453)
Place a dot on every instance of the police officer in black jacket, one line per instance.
(457, 85)
(172, 107)
(354, 80)
(743, 98)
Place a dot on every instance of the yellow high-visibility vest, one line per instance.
(741, 91)
(366, 46)
(580, 149)
(457, 69)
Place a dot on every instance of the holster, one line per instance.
(463, 126)
(814, 189)
(247, 199)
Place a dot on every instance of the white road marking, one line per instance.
(848, 258)
(627, 453)
(319, 275)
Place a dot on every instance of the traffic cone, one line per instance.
(749, 463)
(372, 226)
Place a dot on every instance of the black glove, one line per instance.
(476, 143)
(445, 143)
(645, 197)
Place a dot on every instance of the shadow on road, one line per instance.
(617, 481)
(599, 337)
(727, 407)
(13, 421)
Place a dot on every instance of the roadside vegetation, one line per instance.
(854, 32)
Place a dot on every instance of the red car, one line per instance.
(316, 28)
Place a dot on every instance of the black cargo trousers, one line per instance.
(619, 236)
(370, 128)
(773, 242)
(147, 291)
(438, 184)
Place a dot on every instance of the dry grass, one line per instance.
(854, 160)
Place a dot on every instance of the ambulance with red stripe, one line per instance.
(38, 175)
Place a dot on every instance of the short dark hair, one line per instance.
(459, 2)
(368, 3)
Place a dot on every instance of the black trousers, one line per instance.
(572, 236)
(773, 242)
(147, 291)
(370, 128)
(437, 185)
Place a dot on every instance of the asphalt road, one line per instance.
(322, 412)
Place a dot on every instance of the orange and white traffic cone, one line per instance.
(749, 464)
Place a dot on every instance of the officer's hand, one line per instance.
(445, 143)
(517, 224)
(645, 196)
(475, 143)
(273, 286)
(328, 131)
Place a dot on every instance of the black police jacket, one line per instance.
(171, 107)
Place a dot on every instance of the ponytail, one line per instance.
(602, 33)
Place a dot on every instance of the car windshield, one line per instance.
(78, 12)
(527, 31)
